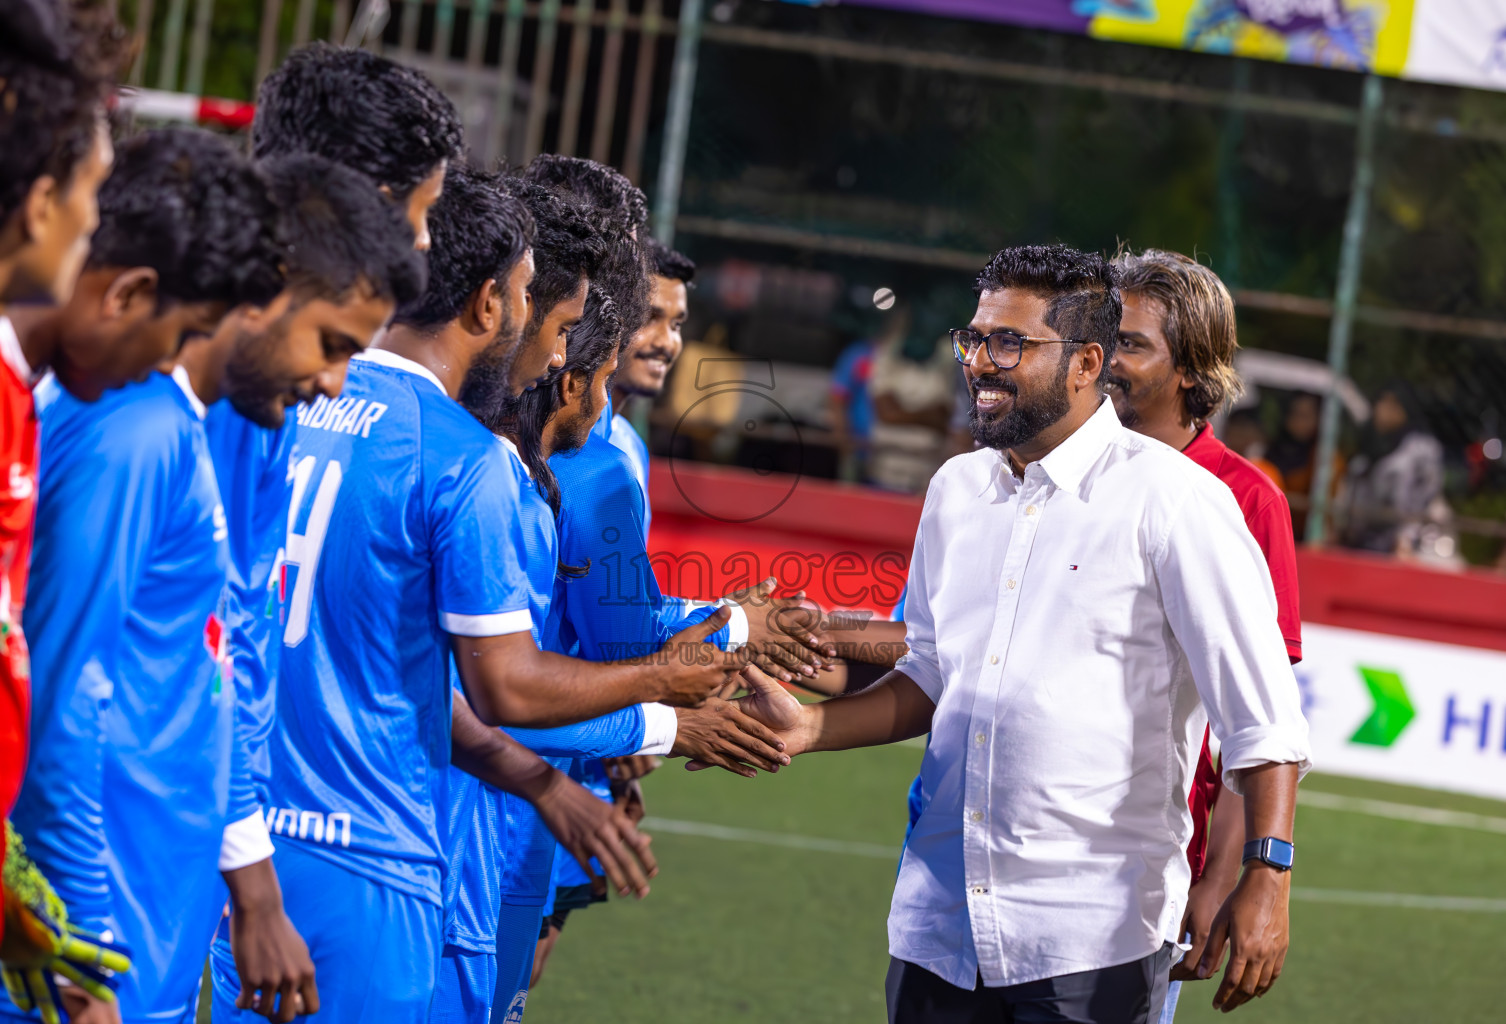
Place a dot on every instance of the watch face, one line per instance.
(1280, 854)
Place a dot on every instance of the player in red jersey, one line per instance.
(55, 68)
(1172, 370)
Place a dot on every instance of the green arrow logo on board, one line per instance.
(1393, 710)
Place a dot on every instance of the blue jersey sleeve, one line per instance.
(476, 537)
(616, 610)
(251, 464)
(616, 735)
(101, 497)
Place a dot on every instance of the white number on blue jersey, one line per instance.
(303, 549)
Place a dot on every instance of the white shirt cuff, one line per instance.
(737, 626)
(245, 842)
(660, 727)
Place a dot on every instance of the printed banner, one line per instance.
(1456, 42)
(1406, 711)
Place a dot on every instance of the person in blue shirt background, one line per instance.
(153, 618)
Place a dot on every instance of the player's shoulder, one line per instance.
(597, 463)
(149, 416)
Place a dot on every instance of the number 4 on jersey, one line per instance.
(303, 549)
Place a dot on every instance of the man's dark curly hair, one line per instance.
(57, 64)
(384, 119)
(480, 232)
(669, 263)
(597, 185)
(619, 213)
(1081, 287)
(338, 231)
(187, 204)
(566, 247)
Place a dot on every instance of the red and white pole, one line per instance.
(156, 105)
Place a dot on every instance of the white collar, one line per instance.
(10, 351)
(507, 443)
(180, 377)
(1069, 462)
(384, 357)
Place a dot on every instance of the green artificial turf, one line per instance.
(737, 928)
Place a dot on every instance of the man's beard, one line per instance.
(486, 389)
(251, 392)
(1027, 417)
(571, 435)
(1120, 394)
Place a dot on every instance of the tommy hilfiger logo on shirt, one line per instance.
(1072, 568)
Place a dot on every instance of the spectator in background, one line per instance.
(1392, 500)
(1294, 454)
(1244, 434)
(912, 387)
(852, 405)
(1296, 444)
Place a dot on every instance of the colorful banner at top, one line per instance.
(1455, 42)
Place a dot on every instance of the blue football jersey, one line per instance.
(616, 610)
(254, 468)
(404, 532)
(126, 794)
(625, 438)
(501, 850)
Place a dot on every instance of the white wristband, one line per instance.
(660, 727)
(245, 842)
(737, 626)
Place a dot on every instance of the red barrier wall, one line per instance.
(716, 528)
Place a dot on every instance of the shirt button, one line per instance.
(980, 890)
(980, 739)
(1011, 584)
(1031, 510)
(993, 659)
(977, 815)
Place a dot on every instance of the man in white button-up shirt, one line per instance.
(1083, 599)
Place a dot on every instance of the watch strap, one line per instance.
(1278, 853)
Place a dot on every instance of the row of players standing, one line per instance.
(246, 621)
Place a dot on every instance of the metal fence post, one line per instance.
(677, 122)
(1341, 327)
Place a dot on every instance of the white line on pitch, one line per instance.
(1401, 812)
(785, 839)
(794, 841)
(1415, 901)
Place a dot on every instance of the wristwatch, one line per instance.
(1278, 853)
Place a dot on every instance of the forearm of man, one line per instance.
(1270, 800)
(858, 637)
(1226, 842)
(890, 710)
(509, 681)
(495, 757)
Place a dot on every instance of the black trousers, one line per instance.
(1130, 993)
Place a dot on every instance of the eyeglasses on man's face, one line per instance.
(1005, 348)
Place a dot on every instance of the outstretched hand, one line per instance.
(781, 631)
(772, 706)
(693, 670)
(721, 734)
